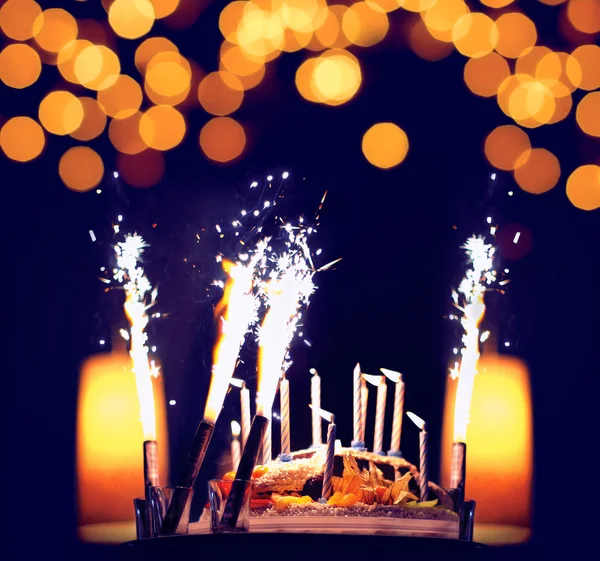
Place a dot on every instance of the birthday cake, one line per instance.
(371, 494)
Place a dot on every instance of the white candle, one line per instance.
(267, 454)
(378, 381)
(423, 475)
(315, 399)
(330, 452)
(396, 377)
(357, 403)
(235, 445)
(284, 401)
(245, 413)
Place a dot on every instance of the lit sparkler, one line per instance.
(472, 288)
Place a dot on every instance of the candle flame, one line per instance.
(236, 429)
(416, 420)
(137, 286)
(392, 375)
(330, 417)
(237, 383)
(237, 312)
(375, 380)
(472, 288)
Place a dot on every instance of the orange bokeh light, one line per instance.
(484, 75)
(294, 40)
(426, 45)
(475, 35)
(222, 139)
(122, 99)
(588, 114)
(97, 67)
(22, 139)
(53, 29)
(149, 49)
(416, 5)
(17, 18)
(584, 15)
(496, 3)
(81, 168)
(516, 34)
(539, 173)
(557, 72)
(260, 32)
(585, 61)
(330, 34)
(364, 25)
(229, 19)
(583, 187)
(168, 78)
(303, 79)
(164, 8)
(141, 170)
(162, 127)
(562, 110)
(528, 62)
(531, 104)
(20, 65)
(60, 112)
(385, 145)
(131, 19)
(336, 77)
(125, 134)
(94, 120)
(235, 60)
(67, 57)
(441, 18)
(220, 93)
(552, 2)
(506, 147)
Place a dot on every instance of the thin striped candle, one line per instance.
(329, 460)
(284, 401)
(380, 417)
(315, 400)
(267, 454)
(245, 413)
(396, 377)
(357, 404)
(364, 401)
(423, 475)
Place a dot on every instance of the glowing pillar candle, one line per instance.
(379, 382)
(500, 444)
(235, 445)
(284, 400)
(109, 440)
(423, 473)
(315, 400)
(357, 409)
(396, 377)
(244, 408)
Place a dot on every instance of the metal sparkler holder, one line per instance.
(142, 519)
(466, 513)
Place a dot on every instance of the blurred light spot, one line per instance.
(584, 15)
(220, 93)
(260, 33)
(330, 34)
(506, 344)
(222, 139)
(22, 139)
(141, 170)
(385, 145)
(94, 120)
(20, 65)
(585, 60)
(67, 57)
(172, 402)
(551, 70)
(441, 18)
(364, 25)
(54, 28)
(294, 40)
(475, 35)
(164, 8)
(484, 75)
(588, 114)
(81, 168)
(583, 187)
(336, 77)
(493, 176)
(168, 74)
(552, 2)
(527, 63)
(506, 147)
(416, 5)
(229, 19)
(131, 19)
(516, 34)
(426, 45)
(17, 18)
(122, 99)
(125, 134)
(60, 112)
(496, 3)
(92, 235)
(235, 60)
(510, 193)
(116, 176)
(149, 49)
(94, 31)
(162, 127)
(269, 178)
(285, 174)
(539, 173)
(562, 109)
(97, 67)
(102, 341)
(531, 104)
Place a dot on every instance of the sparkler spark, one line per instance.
(472, 288)
(137, 286)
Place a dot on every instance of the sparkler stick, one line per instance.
(396, 377)
(472, 289)
(423, 435)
